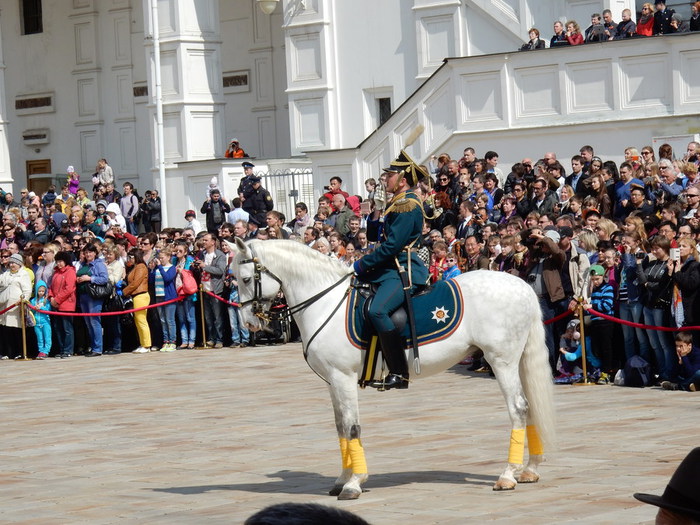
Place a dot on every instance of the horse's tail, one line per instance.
(536, 377)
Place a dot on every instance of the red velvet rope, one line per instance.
(637, 325)
(558, 317)
(100, 314)
(9, 308)
(238, 304)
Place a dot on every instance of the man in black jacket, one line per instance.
(215, 210)
(257, 201)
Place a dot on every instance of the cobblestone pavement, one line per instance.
(212, 436)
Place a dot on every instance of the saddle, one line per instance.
(437, 310)
(399, 317)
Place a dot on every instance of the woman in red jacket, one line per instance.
(645, 24)
(63, 298)
(573, 33)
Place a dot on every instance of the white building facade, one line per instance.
(309, 84)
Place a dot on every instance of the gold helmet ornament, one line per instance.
(406, 166)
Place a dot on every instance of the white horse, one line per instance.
(501, 317)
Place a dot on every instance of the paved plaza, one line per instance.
(211, 436)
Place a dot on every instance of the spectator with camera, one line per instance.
(151, 211)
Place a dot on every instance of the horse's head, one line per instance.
(257, 285)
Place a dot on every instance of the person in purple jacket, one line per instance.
(687, 370)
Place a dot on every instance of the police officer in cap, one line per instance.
(403, 224)
(246, 180)
(257, 200)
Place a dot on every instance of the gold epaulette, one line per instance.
(402, 204)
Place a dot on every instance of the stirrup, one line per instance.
(389, 382)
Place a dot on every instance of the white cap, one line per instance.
(70, 169)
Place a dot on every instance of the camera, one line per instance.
(640, 255)
(327, 188)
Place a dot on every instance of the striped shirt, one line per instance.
(602, 299)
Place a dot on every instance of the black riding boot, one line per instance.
(393, 349)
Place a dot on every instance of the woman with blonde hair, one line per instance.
(588, 242)
(634, 223)
(45, 268)
(645, 23)
(605, 228)
(573, 33)
(115, 273)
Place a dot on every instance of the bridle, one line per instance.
(258, 301)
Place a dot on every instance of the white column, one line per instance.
(193, 105)
(6, 178)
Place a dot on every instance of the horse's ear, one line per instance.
(240, 246)
(232, 246)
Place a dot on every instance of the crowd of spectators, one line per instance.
(621, 239)
(655, 19)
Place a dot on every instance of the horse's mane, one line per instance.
(299, 260)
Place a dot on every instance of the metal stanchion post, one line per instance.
(584, 359)
(24, 330)
(204, 325)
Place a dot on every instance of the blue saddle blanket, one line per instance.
(438, 314)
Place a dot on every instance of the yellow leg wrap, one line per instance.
(517, 446)
(357, 456)
(347, 462)
(534, 444)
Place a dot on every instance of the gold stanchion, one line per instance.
(24, 330)
(204, 325)
(584, 359)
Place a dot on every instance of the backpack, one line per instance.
(637, 372)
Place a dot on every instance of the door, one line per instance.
(39, 176)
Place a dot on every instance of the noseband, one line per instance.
(257, 301)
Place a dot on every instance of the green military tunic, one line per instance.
(403, 227)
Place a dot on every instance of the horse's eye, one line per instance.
(246, 280)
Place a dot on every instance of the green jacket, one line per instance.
(403, 226)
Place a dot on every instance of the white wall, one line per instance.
(609, 95)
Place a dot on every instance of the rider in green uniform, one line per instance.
(403, 225)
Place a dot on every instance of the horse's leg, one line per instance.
(536, 456)
(508, 378)
(344, 396)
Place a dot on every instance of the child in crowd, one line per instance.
(439, 261)
(687, 370)
(192, 222)
(452, 270)
(214, 185)
(162, 276)
(571, 355)
(73, 180)
(43, 322)
(570, 350)
(602, 330)
(370, 186)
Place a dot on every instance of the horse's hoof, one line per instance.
(349, 494)
(504, 484)
(528, 477)
(335, 490)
